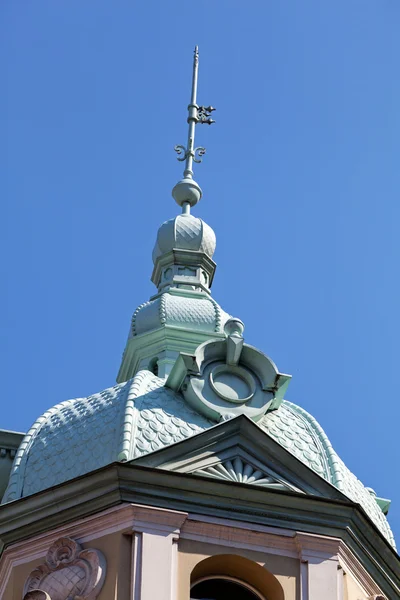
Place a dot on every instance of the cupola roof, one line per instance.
(182, 314)
(186, 368)
(185, 232)
(141, 416)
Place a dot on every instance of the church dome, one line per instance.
(118, 424)
(186, 369)
(185, 232)
(297, 431)
(140, 416)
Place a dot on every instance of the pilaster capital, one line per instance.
(313, 547)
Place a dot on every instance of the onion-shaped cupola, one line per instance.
(183, 254)
(182, 314)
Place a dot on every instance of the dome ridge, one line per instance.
(314, 448)
(135, 314)
(163, 308)
(218, 315)
(15, 486)
(128, 430)
(119, 423)
(323, 441)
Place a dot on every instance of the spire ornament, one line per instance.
(187, 192)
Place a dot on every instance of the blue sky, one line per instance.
(301, 184)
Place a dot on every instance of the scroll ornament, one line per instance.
(69, 573)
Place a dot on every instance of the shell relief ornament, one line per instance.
(69, 573)
(227, 378)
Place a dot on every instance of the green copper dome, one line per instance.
(186, 369)
(182, 314)
(141, 416)
(185, 232)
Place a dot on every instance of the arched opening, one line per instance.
(233, 576)
(221, 588)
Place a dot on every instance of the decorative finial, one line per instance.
(187, 192)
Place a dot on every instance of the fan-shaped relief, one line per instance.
(68, 573)
(243, 472)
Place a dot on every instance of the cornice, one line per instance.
(241, 503)
(20, 519)
(10, 440)
(166, 337)
(305, 546)
(353, 566)
(127, 518)
(314, 547)
(187, 257)
(233, 534)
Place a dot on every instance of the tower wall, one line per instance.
(155, 553)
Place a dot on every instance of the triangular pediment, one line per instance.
(240, 452)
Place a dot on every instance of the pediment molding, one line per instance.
(257, 456)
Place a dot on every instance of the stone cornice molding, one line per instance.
(156, 520)
(10, 440)
(231, 533)
(306, 547)
(127, 518)
(118, 483)
(353, 566)
(311, 547)
(131, 518)
(118, 518)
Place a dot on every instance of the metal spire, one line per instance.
(197, 114)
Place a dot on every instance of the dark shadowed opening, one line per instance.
(221, 589)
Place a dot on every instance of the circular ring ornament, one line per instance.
(232, 383)
(227, 378)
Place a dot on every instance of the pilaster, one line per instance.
(154, 554)
(319, 567)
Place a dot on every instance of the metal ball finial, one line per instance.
(234, 327)
(186, 191)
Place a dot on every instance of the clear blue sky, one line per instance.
(301, 183)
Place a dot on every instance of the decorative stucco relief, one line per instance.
(69, 573)
(242, 472)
